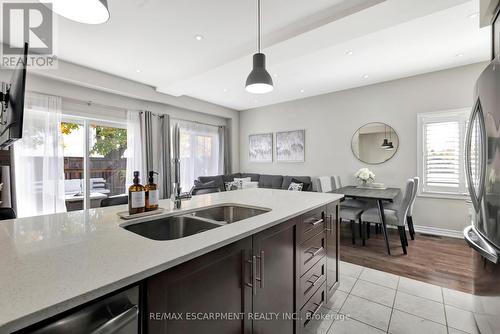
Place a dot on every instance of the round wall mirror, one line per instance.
(375, 143)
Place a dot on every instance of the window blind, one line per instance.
(442, 154)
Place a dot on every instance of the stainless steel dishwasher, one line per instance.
(117, 314)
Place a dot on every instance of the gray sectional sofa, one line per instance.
(217, 182)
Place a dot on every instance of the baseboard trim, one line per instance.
(439, 231)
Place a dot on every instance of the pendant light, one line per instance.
(83, 11)
(259, 81)
(390, 147)
(385, 143)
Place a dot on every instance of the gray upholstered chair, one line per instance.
(353, 215)
(395, 216)
(352, 212)
(409, 214)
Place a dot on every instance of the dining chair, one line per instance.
(395, 216)
(409, 215)
(346, 212)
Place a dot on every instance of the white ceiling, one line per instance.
(306, 43)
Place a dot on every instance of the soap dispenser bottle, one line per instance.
(152, 193)
(136, 196)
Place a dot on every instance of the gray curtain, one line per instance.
(156, 141)
(225, 150)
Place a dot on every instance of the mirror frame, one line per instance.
(375, 163)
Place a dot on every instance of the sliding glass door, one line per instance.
(94, 161)
(199, 146)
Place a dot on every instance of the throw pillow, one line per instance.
(305, 185)
(233, 185)
(295, 186)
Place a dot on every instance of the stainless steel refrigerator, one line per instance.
(482, 165)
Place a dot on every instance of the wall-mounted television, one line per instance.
(12, 111)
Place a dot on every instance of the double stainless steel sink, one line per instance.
(180, 226)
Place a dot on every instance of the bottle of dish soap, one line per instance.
(152, 193)
(136, 196)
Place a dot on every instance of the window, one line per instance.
(104, 155)
(199, 152)
(440, 149)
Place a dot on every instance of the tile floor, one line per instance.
(372, 301)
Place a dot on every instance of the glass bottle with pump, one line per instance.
(136, 196)
(152, 193)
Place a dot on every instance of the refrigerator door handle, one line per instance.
(481, 245)
(476, 197)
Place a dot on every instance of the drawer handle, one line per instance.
(316, 252)
(317, 222)
(253, 285)
(261, 261)
(316, 280)
(313, 313)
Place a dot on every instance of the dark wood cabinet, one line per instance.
(283, 272)
(332, 247)
(212, 284)
(274, 251)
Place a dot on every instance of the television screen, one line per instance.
(11, 120)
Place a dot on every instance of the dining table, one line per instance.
(378, 195)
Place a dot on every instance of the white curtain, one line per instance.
(38, 158)
(199, 152)
(135, 143)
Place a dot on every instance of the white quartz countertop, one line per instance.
(49, 264)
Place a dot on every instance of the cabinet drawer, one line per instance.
(311, 224)
(311, 280)
(311, 312)
(311, 252)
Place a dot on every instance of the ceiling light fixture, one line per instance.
(259, 81)
(459, 55)
(385, 143)
(302, 91)
(349, 53)
(83, 11)
(138, 71)
(198, 37)
(224, 90)
(365, 76)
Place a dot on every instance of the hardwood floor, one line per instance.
(447, 262)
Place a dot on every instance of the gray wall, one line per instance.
(331, 119)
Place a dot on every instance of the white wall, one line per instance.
(80, 83)
(331, 119)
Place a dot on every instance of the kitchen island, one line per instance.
(51, 264)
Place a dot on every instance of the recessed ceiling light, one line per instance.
(349, 53)
(138, 71)
(473, 15)
(365, 76)
(198, 37)
(302, 91)
(459, 55)
(224, 90)
(275, 75)
(83, 11)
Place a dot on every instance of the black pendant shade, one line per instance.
(389, 146)
(259, 81)
(385, 144)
